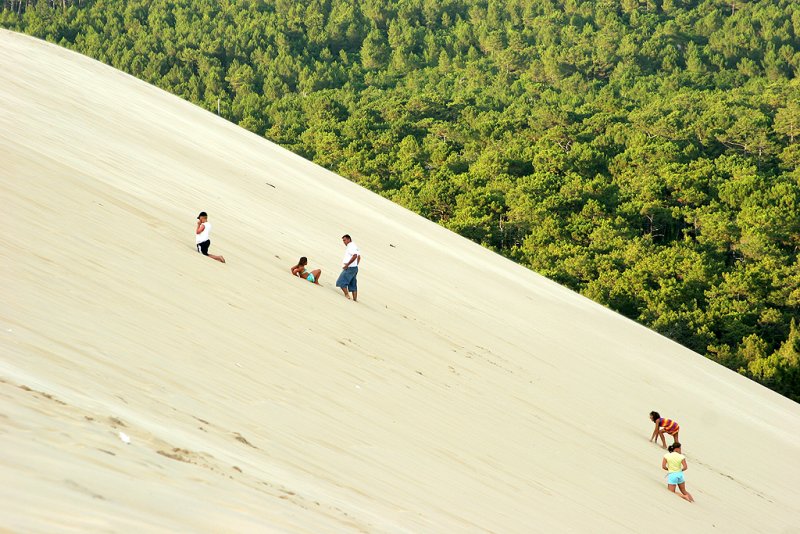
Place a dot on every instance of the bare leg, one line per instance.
(686, 495)
(355, 296)
(675, 438)
(663, 441)
(317, 273)
(671, 487)
(346, 293)
(218, 258)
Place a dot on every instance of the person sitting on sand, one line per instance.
(301, 271)
(664, 425)
(674, 463)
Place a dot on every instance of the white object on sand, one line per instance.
(124, 437)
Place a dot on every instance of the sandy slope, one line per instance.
(461, 394)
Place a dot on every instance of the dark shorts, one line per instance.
(202, 248)
(348, 279)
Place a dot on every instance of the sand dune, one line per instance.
(462, 393)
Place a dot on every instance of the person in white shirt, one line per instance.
(347, 278)
(202, 237)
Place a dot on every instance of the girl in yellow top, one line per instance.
(664, 426)
(674, 463)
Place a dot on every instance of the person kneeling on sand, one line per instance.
(202, 237)
(674, 463)
(301, 271)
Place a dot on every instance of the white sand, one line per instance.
(462, 393)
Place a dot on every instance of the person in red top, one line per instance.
(664, 426)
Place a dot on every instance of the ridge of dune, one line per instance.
(462, 393)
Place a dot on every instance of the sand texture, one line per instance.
(462, 393)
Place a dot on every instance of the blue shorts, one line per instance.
(310, 277)
(675, 478)
(348, 279)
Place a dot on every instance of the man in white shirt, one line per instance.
(347, 279)
(202, 237)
